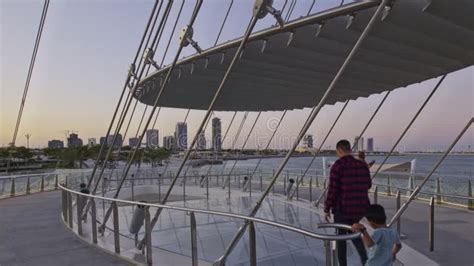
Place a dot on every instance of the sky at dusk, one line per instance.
(87, 46)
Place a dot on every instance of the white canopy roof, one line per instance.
(418, 40)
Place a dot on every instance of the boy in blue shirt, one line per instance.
(384, 243)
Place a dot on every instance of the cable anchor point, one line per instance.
(263, 7)
(148, 56)
(186, 38)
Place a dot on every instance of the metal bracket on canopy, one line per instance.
(148, 56)
(268, 8)
(350, 20)
(186, 38)
(319, 28)
(131, 71)
(386, 11)
(291, 38)
(264, 45)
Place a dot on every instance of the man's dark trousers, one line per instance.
(342, 245)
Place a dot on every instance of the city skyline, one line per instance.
(72, 102)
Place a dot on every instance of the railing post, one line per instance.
(411, 184)
(42, 184)
(327, 248)
(207, 187)
(28, 186)
(375, 194)
(399, 204)
(261, 182)
(69, 209)
(317, 181)
(438, 191)
(93, 220)
(470, 202)
(252, 244)
(250, 186)
(116, 227)
(297, 188)
(56, 181)
(194, 253)
(148, 231)
(12, 190)
(431, 224)
(64, 204)
(334, 261)
(389, 184)
(311, 189)
(79, 213)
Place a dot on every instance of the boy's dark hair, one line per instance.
(344, 145)
(376, 214)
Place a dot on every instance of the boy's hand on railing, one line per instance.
(358, 227)
(327, 217)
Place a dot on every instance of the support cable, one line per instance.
(268, 144)
(243, 147)
(417, 190)
(163, 86)
(311, 8)
(223, 23)
(257, 10)
(310, 119)
(321, 146)
(152, 15)
(290, 10)
(119, 125)
(409, 125)
(30, 70)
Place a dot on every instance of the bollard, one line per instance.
(28, 187)
(431, 224)
(291, 181)
(12, 190)
(310, 189)
(375, 194)
(399, 204)
(138, 219)
(438, 192)
(389, 184)
(470, 202)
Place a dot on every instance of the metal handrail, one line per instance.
(427, 193)
(231, 215)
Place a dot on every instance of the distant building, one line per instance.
(370, 144)
(360, 144)
(181, 135)
(109, 139)
(74, 140)
(91, 142)
(201, 141)
(169, 143)
(133, 142)
(216, 134)
(308, 141)
(152, 137)
(55, 144)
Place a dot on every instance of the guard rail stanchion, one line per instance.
(69, 209)
(311, 189)
(116, 227)
(375, 194)
(207, 187)
(93, 220)
(12, 189)
(261, 182)
(470, 202)
(438, 192)
(431, 224)
(64, 204)
(297, 188)
(389, 184)
(194, 253)
(42, 184)
(28, 186)
(148, 231)
(317, 181)
(327, 248)
(252, 244)
(399, 204)
(56, 181)
(79, 214)
(334, 254)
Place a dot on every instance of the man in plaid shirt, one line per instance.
(347, 197)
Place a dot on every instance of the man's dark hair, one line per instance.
(344, 145)
(376, 214)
